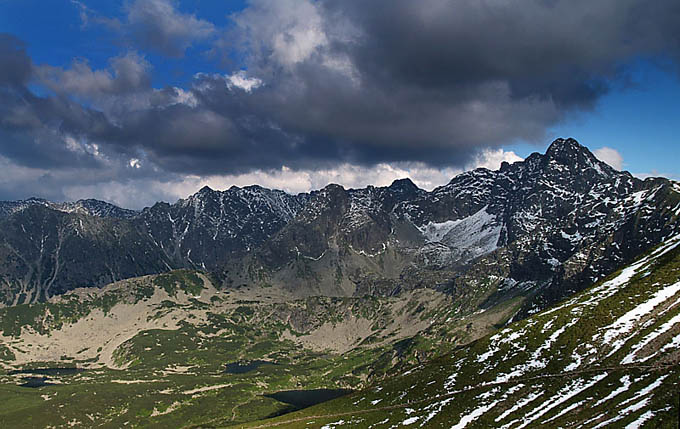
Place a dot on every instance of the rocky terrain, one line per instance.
(48, 248)
(543, 229)
(46, 252)
(211, 227)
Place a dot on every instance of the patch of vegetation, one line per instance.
(188, 281)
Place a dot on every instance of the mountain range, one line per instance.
(544, 228)
(542, 293)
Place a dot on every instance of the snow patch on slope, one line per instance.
(613, 333)
(468, 238)
(435, 231)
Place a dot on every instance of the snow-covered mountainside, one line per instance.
(607, 357)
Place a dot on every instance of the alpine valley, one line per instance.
(543, 294)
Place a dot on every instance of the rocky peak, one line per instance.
(564, 146)
(257, 188)
(332, 188)
(405, 185)
(206, 193)
(36, 200)
(331, 197)
(98, 208)
(569, 153)
(205, 190)
(566, 167)
(89, 207)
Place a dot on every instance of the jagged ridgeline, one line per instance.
(541, 228)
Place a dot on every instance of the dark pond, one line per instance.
(35, 382)
(245, 366)
(307, 398)
(48, 371)
(43, 381)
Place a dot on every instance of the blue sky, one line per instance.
(57, 35)
(139, 100)
(642, 122)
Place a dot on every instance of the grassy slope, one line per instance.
(608, 357)
(168, 338)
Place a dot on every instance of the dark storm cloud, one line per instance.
(43, 131)
(434, 80)
(15, 66)
(334, 81)
(129, 74)
(443, 43)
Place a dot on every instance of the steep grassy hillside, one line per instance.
(607, 357)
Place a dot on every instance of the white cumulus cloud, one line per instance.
(610, 156)
(492, 159)
(241, 80)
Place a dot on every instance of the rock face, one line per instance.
(45, 252)
(553, 223)
(541, 229)
(49, 248)
(210, 226)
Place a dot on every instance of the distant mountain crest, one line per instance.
(89, 206)
(553, 223)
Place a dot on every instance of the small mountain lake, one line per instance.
(47, 371)
(242, 367)
(34, 382)
(38, 377)
(306, 398)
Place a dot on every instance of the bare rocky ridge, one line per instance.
(45, 252)
(210, 226)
